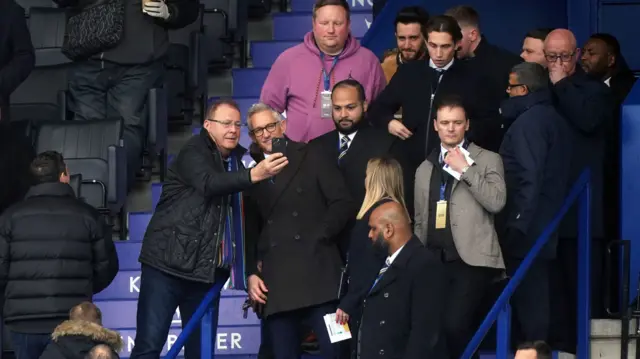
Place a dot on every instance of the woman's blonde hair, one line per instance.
(384, 180)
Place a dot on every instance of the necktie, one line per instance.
(384, 268)
(440, 74)
(344, 146)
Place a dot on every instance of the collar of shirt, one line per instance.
(445, 68)
(351, 137)
(393, 257)
(608, 82)
(444, 150)
(266, 155)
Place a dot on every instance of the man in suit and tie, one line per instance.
(403, 312)
(293, 264)
(353, 143)
(455, 215)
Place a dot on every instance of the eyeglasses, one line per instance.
(512, 86)
(552, 58)
(227, 124)
(260, 130)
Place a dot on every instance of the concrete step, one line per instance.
(605, 339)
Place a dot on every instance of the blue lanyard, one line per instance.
(327, 76)
(443, 187)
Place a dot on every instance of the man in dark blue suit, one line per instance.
(536, 153)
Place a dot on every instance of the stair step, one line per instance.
(307, 5)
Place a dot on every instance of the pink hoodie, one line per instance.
(295, 82)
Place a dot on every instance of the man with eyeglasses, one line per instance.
(296, 219)
(588, 106)
(536, 152)
(195, 239)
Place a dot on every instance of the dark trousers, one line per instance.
(531, 301)
(467, 287)
(160, 295)
(564, 285)
(100, 90)
(284, 331)
(29, 346)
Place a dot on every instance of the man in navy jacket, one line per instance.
(536, 153)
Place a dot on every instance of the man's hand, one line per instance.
(268, 168)
(257, 289)
(456, 160)
(398, 129)
(556, 72)
(156, 9)
(341, 317)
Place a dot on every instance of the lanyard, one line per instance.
(443, 188)
(327, 76)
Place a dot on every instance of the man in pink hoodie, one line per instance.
(301, 79)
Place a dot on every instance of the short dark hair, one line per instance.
(362, 97)
(465, 15)
(613, 46)
(532, 75)
(322, 3)
(47, 167)
(539, 33)
(444, 23)
(101, 351)
(412, 15)
(543, 350)
(450, 101)
(213, 106)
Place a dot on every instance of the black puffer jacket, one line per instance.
(55, 253)
(186, 230)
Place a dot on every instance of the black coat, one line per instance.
(55, 253)
(302, 212)
(187, 227)
(536, 153)
(16, 154)
(588, 106)
(403, 315)
(73, 339)
(493, 65)
(411, 88)
(16, 52)
(365, 260)
(368, 143)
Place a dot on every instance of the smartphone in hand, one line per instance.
(279, 145)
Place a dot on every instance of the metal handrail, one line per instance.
(501, 310)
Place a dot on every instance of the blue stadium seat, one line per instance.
(37, 98)
(293, 25)
(248, 82)
(307, 5)
(265, 53)
(92, 149)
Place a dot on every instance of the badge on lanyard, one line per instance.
(441, 210)
(325, 96)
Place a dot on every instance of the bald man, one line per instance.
(402, 314)
(587, 105)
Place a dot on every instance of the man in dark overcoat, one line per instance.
(402, 316)
(294, 266)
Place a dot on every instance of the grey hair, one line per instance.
(532, 75)
(262, 107)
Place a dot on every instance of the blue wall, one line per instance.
(620, 18)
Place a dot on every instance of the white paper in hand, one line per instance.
(337, 332)
(455, 174)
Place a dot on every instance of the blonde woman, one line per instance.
(383, 183)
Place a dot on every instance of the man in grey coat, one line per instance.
(458, 190)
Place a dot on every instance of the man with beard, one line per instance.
(353, 143)
(410, 24)
(403, 311)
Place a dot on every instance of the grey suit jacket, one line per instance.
(472, 207)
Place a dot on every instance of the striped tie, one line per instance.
(344, 146)
(384, 268)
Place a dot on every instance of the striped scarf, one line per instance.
(232, 252)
